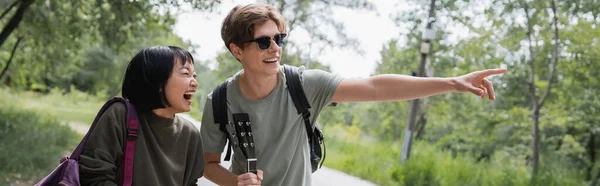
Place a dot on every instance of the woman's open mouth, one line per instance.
(188, 96)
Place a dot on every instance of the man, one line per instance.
(254, 34)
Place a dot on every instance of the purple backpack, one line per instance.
(67, 173)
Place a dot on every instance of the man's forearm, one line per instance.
(402, 87)
(219, 175)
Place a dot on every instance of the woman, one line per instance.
(159, 82)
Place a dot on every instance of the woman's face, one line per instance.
(180, 87)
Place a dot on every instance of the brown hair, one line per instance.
(238, 26)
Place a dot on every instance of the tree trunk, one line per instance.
(422, 119)
(595, 180)
(8, 9)
(554, 57)
(410, 126)
(14, 21)
(421, 125)
(592, 154)
(537, 104)
(535, 146)
(12, 55)
(534, 106)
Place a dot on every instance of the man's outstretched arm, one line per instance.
(391, 87)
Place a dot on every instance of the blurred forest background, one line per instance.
(61, 59)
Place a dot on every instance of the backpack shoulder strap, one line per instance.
(79, 149)
(219, 104)
(132, 131)
(128, 150)
(294, 85)
(292, 80)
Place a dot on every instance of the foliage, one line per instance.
(64, 38)
(461, 139)
(466, 126)
(378, 161)
(45, 139)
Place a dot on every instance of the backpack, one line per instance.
(67, 172)
(315, 136)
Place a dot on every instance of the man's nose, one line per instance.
(273, 47)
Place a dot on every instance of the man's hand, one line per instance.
(250, 179)
(476, 82)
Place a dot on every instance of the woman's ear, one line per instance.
(236, 51)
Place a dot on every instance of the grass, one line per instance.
(77, 107)
(32, 137)
(32, 141)
(380, 163)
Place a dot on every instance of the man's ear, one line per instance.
(236, 51)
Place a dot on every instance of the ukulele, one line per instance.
(243, 132)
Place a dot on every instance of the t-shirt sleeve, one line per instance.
(101, 155)
(319, 86)
(194, 150)
(213, 140)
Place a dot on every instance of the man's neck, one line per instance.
(256, 87)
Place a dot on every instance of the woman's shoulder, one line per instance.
(119, 107)
(116, 111)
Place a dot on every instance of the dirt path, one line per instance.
(78, 127)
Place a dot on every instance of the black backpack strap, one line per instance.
(219, 104)
(296, 91)
(294, 86)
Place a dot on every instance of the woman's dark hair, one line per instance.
(147, 75)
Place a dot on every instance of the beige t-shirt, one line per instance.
(282, 148)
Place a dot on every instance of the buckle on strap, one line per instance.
(132, 134)
(306, 115)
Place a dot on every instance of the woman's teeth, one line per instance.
(187, 96)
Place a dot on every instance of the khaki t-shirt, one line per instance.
(279, 131)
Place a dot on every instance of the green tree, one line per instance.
(56, 34)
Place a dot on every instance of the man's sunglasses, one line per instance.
(265, 41)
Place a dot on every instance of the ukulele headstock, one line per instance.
(243, 129)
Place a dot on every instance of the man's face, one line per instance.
(261, 56)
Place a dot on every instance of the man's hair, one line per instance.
(147, 75)
(238, 26)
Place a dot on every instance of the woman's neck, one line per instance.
(164, 112)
